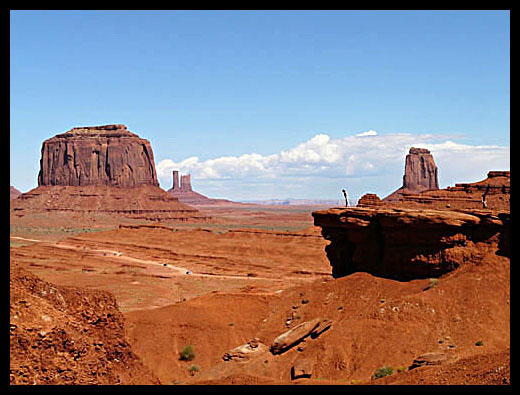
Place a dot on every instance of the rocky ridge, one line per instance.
(67, 335)
(409, 243)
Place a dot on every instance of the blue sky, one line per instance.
(211, 88)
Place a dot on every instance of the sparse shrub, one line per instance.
(401, 369)
(432, 284)
(193, 369)
(187, 353)
(383, 372)
(479, 343)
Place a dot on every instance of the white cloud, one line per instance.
(378, 159)
(368, 133)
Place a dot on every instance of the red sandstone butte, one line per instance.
(185, 193)
(97, 155)
(420, 174)
(101, 169)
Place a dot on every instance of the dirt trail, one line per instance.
(117, 255)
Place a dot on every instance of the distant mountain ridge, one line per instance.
(297, 202)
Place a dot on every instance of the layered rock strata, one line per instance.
(406, 244)
(369, 200)
(143, 202)
(97, 155)
(497, 187)
(420, 173)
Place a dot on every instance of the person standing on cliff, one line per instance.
(484, 202)
(346, 197)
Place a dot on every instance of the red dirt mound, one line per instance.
(66, 335)
(144, 202)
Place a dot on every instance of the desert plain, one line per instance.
(117, 281)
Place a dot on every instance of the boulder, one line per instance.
(430, 358)
(293, 336)
(246, 351)
(369, 199)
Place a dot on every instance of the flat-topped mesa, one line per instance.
(97, 155)
(115, 130)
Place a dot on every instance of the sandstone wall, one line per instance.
(99, 155)
(405, 243)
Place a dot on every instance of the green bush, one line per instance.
(383, 372)
(193, 369)
(479, 343)
(187, 353)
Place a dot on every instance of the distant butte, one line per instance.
(185, 193)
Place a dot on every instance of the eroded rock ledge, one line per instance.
(408, 243)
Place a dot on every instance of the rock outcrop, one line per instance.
(144, 202)
(14, 193)
(407, 244)
(97, 155)
(246, 351)
(369, 200)
(68, 335)
(420, 173)
(428, 359)
(292, 337)
(497, 187)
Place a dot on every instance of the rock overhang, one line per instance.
(405, 244)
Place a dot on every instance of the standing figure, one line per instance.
(484, 202)
(346, 197)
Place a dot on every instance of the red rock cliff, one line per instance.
(420, 174)
(97, 155)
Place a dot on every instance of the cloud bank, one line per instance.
(319, 167)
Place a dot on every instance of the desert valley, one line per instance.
(114, 280)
